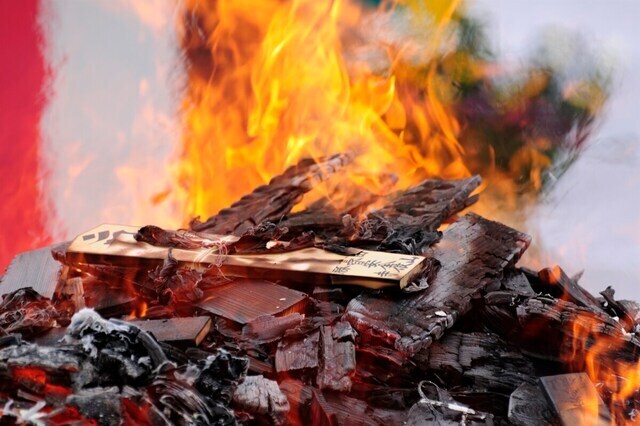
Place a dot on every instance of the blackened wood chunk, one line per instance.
(552, 328)
(558, 284)
(36, 269)
(298, 353)
(408, 223)
(628, 311)
(481, 361)
(269, 328)
(273, 201)
(575, 399)
(27, 312)
(528, 406)
(516, 281)
(473, 253)
(338, 357)
(260, 396)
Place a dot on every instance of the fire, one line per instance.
(597, 354)
(283, 80)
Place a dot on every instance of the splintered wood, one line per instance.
(473, 253)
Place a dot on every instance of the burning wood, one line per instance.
(303, 328)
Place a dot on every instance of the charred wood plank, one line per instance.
(557, 283)
(556, 329)
(269, 328)
(516, 281)
(273, 201)
(177, 330)
(473, 253)
(480, 361)
(260, 396)
(407, 223)
(36, 269)
(298, 354)
(338, 357)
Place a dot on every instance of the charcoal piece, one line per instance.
(528, 406)
(51, 337)
(516, 282)
(408, 223)
(36, 269)
(338, 357)
(628, 311)
(554, 329)
(575, 399)
(269, 328)
(49, 359)
(260, 367)
(299, 396)
(178, 330)
(101, 404)
(273, 201)
(244, 301)
(558, 284)
(337, 409)
(298, 353)
(481, 361)
(473, 253)
(27, 312)
(258, 395)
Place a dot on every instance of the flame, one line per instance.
(283, 80)
(598, 354)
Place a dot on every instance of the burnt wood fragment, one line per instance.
(260, 396)
(516, 281)
(408, 223)
(337, 357)
(553, 329)
(528, 406)
(473, 253)
(558, 284)
(480, 361)
(273, 201)
(269, 328)
(299, 353)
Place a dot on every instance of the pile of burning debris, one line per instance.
(353, 316)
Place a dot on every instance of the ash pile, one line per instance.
(331, 316)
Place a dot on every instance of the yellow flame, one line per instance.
(288, 79)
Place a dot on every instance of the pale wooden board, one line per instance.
(36, 269)
(368, 268)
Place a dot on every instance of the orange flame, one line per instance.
(283, 80)
(598, 354)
